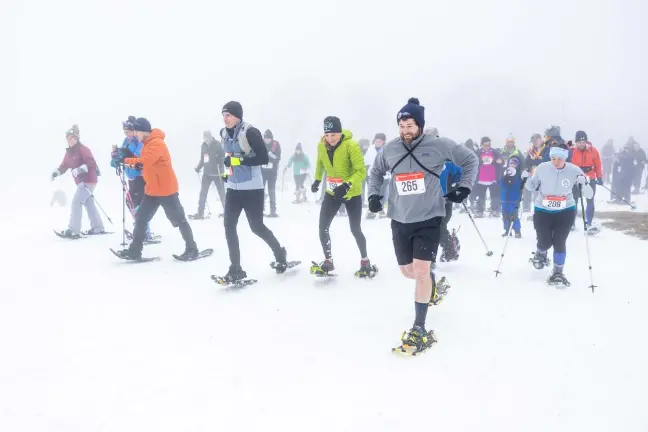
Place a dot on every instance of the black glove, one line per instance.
(457, 195)
(341, 191)
(315, 186)
(374, 203)
(198, 170)
(599, 181)
(139, 166)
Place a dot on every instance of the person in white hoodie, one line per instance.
(369, 158)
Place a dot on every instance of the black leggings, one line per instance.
(552, 229)
(252, 202)
(329, 209)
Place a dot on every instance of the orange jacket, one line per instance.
(588, 160)
(157, 171)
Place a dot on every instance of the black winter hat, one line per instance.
(128, 124)
(234, 108)
(142, 125)
(332, 124)
(380, 136)
(268, 134)
(485, 140)
(553, 131)
(581, 136)
(413, 110)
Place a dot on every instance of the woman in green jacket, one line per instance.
(340, 156)
(301, 165)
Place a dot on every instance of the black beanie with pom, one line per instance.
(413, 110)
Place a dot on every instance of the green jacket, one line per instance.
(298, 165)
(348, 164)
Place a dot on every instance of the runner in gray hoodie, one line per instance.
(555, 208)
(416, 203)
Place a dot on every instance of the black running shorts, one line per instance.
(418, 240)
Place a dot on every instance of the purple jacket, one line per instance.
(77, 156)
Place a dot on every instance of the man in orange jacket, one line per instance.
(161, 190)
(587, 157)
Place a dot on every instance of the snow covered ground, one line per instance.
(91, 343)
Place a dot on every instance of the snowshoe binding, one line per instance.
(439, 290)
(193, 254)
(366, 269)
(557, 278)
(128, 255)
(322, 269)
(539, 260)
(281, 265)
(198, 216)
(235, 277)
(68, 234)
(416, 341)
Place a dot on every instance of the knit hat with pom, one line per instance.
(412, 110)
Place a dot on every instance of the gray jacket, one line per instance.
(407, 203)
(555, 187)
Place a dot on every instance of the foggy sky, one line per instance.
(479, 67)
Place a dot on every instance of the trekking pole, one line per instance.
(514, 216)
(633, 207)
(97, 202)
(120, 172)
(589, 259)
(488, 251)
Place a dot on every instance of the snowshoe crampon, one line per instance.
(369, 272)
(232, 283)
(282, 267)
(316, 269)
(414, 344)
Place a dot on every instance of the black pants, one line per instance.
(552, 229)
(136, 190)
(252, 202)
(417, 240)
(270, 177)
(480, 196)
(299, 181)
(329, 209)
(174, 212)
(204, 190)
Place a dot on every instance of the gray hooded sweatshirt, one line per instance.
(415, 191)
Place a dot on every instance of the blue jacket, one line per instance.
(511, 185)
(450, 175)
(134, 147)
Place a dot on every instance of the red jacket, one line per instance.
(76, 156)
(588, 160)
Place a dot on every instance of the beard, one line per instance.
(408, 137)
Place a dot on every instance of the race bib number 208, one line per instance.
(410, 183)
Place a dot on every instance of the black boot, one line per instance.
(281, 264)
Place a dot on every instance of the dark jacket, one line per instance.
(624, 164)
(274, 156)
(211, 158)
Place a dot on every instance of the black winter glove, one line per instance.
(315, 186)
(341, 191)
(457, 195)
(139, 166)
(198, 170)
(374, 203)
